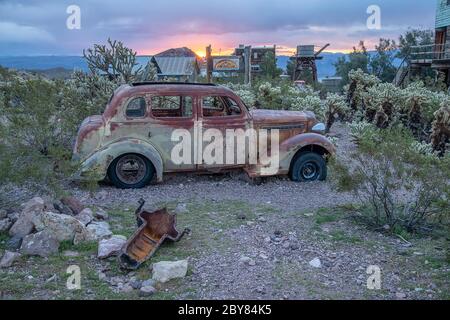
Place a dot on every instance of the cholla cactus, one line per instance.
(335, 107)
(382, 104)
(423, 148)
(440, 135)
(113, 60)
(244, 91)
(268, 96)
(359, 83)
(310, 103)
(360, 129)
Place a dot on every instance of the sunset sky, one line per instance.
(38, 27)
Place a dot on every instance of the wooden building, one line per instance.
(435, 56)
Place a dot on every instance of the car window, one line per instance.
(136, 108)
(216, 106)
(171, 106)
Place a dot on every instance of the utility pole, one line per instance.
(209, 64)
(247, 65)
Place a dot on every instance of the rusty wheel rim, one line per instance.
(131, 169)
(309, 170)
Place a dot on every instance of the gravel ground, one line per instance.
(268, 254)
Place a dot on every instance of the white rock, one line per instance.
(146, 291)
(39, 244)
(85, 216)
(111, 246)
(24, 225)
(166, 270)
(95, 231)
(101, 214)
(316, 263)
(61, 226)
(8, 259)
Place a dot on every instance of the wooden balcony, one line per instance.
(431, 55)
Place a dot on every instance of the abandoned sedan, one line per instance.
(149, 129)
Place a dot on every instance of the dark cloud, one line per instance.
(32, 27)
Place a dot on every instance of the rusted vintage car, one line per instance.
(131, 143)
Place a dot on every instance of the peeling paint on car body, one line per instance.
(101, 139)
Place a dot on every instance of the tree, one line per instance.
(358, 59)
(414, 37)
(269, 66)
(381, 64)
(114, 60)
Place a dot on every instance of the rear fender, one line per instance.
(96, 166)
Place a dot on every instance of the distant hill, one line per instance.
(38, 63)
(177, 52)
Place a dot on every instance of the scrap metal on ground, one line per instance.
(153, 229)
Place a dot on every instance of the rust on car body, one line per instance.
(154, 228)
(104, 138)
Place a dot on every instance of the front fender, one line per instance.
(290, 146)
(95, 167)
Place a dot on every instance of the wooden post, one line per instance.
(247, 64)
(209, 64)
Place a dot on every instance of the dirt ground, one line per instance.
(247, 242)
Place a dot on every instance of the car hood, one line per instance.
(263, 117)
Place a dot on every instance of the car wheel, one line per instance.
(309, 166)
(131, 171)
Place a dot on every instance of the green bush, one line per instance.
(403, 185)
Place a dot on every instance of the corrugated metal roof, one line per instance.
(176, 66)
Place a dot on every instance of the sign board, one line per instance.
(226, 64)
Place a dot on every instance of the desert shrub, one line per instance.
(39, 119)
(403, 187)
(244, 92)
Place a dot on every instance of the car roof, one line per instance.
(174, 87)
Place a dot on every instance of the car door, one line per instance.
(220, 114)
(171, 129)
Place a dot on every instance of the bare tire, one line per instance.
(309, 166)
(131, 171)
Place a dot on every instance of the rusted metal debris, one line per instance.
(153, 229)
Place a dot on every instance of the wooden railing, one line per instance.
(430, 52)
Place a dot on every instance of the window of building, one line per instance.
(136, 108)
(171, 106)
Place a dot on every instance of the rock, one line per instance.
(136, 284)
(85, 216)
(315, 263)
(5, 224)
(13, 216)
(126, 288)
(147, 291)
(8, 259)
(166, 270)
(62, 208)
(99, 229)
(61, 226)
(111, 246)
(262, 219)
(101, 214)
(149, 283)
(74, 204)
(247, 260)
(71, 254)
(24, 225)
(400, 295)
(14, 243)
(40, 244)
(241, 216)
(181, 208)
(3, 214)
